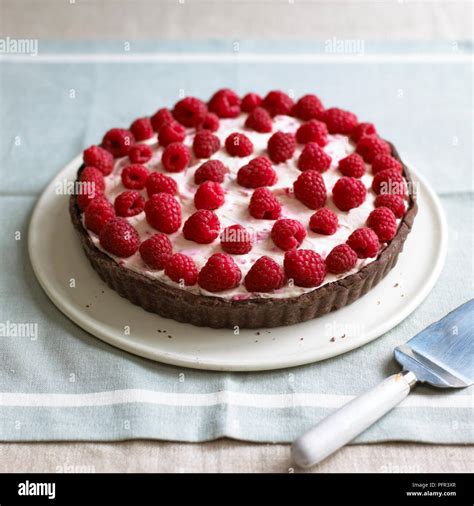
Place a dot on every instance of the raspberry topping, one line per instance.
(348, 193)
(341, 259)
(220, 273)
(98, 213)
(99, 158)
(352, 166)
(364, 242)
(384, 162)
(225, 103)
(258, 172)
(182, 269)
(250, 102)
(383, 222)
(212, 170)
(265, 275)
(312, 131)
(176, 157)
(259, 120)
(277, 102)
(119, 238)
(370, 146)
(141, 129)
(210, 122)
(118, 141)
(190, 111)
(140, 153)
(129, 203)
(389, 181)
(339, 121)
(393, 202)
(264, 205)
(308, 107)
(238, 145)
(163, 212)
(156, 251)
(86, 194)
(202, 227)
(160, 118)
(236, 240)
(94, 180)
(205, 144)
(171, 132)
(314, 158)
(361, 130)
(160, 183)
(281, 147)
(324, 221)
(305, 267)
(309, 189)
(134, 176)
(209, 195)
(288, 234)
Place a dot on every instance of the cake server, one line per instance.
(442, 355)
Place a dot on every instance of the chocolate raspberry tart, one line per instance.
(243, 212)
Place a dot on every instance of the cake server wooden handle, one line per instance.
(352, 419)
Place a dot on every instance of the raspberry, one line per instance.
(93, 179)
(309, 189)
(361, 130)
(259, 120)
(277, 102)
(383, 222)
(308, 107)
(129, 203)
(339, 121)
(352, 166)
(86, 195)
(98, 213)
(314, 158)
(236, 240)
(265, 275)
(250, 102)
(118, 141)
(160, 183)
(312, 131)
(305, 267)
(348, 193)
(175, 157)
(156, 251)
(202, 227)
(190, 111)
(161, 118)
(393, 202)
(341, 259)
(324, 221)
(238, 145)
(119, 238)
(281, 147)
(220, 273)
(182, 269)
(171, 132)
(141, 129)
(210, 122)
(383, 162)
(364, 242)
(205, 144)
(389, 181)
(134, 176)
(99, 158)
(225, 103)
(258, 172)
(264, 205)
(371, 146)
(140, 153)
(209, 195)
(163, 212)
(212, 170)
(288, 234)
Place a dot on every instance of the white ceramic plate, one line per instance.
(57, 258)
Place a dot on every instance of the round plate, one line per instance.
(67, 277)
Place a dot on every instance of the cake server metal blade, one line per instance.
(443, 354)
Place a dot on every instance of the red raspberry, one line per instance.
(129, 203)
(393, 202)
(140, 153)
(352, 166)
(383, 222)
(259, 120)
(339, 121)
(118, 141)
(341, 259)
(264, 205)
(312, 131)
(209, 195)
(361, 130)
(190, 111)
(383, 162)
(389, 181)
(160, 118)
(309, 189)
(163, 212)
(212, 170)
(250, 102)
(171, 132)
(205, 144)
(348, 193)
(314, 158)
(305, 267)
(265, 275)
(238, 145)
(258, 172)
(371, 146)
(94, 180)
(210, 122)
(236, 240)
(308, 107)
(364, 242)
(99, 158)
(160, 183)
(277, 102)
(134, 176)
(202, 227)
(141, 129)
(324, 221)
(156, 251)
(175, 157)
(281, 147)
(225, 103)
(288, 234)
(220, 273)
(98, 213)
(86, 195)
(119, 238)
(182, 269)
